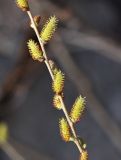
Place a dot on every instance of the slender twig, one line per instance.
(33, 25)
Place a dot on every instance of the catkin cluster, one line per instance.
(58, 78)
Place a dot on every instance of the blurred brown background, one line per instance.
(87, 48)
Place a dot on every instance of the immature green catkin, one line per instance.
(77, 109)
(23, 4)
(64, 130)
(35, 50)
(49, 29)
(84, 155)
(58, 83)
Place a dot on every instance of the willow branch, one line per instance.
(33, 25)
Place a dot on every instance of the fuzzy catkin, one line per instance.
(56, 102)
(34, 50)
(77, 109)
(58, 83)
(64, 130)
(49, 29)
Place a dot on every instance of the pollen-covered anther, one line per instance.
(64, 130)
(84, 155)
(77, 109)
(23, 4)
(56, 102)
(58, 83)
(35, 50)
(49, 29)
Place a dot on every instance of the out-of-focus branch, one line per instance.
(11, 152)
(28, 151)
(93, 42)
(16, 84)
(13, 78)
(83, 84)
(86, 40)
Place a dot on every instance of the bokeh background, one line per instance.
(87, 47)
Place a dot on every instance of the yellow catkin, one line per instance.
(23, 4)
(3, 132)
(64, 130)
(57, 103)
(58, 83)
(34, 50)
(49, 29)
(77, 109)
(84, 155)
